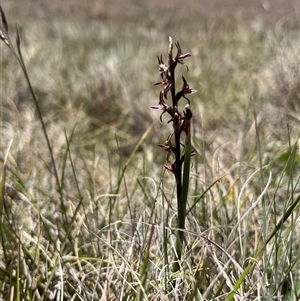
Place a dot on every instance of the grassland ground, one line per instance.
(92, 65)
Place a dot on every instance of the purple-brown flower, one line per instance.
(180, 56)
(184, 90)
(167, 86)
(162, 105)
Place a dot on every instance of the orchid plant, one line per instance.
(179, 151)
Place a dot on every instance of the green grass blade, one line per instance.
(2, 181)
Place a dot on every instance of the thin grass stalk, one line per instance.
(144, 268)
(44, 130)
(115, 192)
(203, 194)
(18, 290)
(165, 221)
(2, 183)
(38, 108)
(69, 226)
(136, 148)
(4, 36)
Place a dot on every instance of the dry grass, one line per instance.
(93, 75)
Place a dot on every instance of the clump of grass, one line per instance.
(280, 79)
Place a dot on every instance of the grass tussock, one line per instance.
(88, 211)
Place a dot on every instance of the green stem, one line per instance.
(186, 168)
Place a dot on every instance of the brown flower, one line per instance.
(184, 90)
(162, 105)
(180, 56)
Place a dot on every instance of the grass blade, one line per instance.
(3, 18)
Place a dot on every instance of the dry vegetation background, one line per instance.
(99, 58)
(93, 65)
